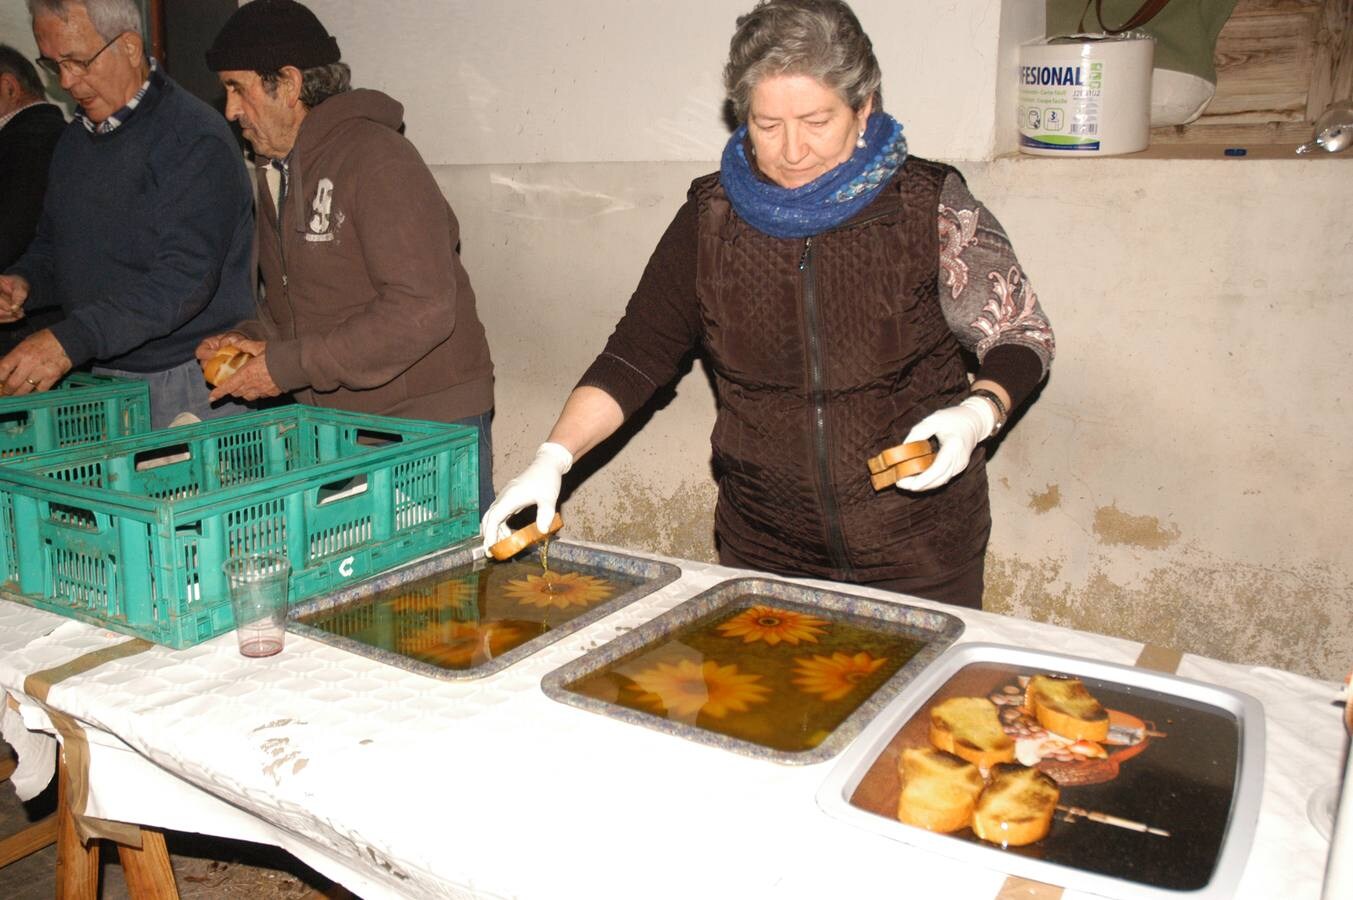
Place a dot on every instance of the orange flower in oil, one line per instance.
(834, 676)
(459, 645)
(450, 594)
(687, 688)
(773, 625)
(560, 590)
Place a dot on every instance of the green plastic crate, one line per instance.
(81, 409)
(131, 534)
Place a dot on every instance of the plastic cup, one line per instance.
(258, 598)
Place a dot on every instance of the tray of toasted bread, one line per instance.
(1116, 780)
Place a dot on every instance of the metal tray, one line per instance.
(1203, 783)
(652, 575)
(933, 629)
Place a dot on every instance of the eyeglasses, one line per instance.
(74, 67)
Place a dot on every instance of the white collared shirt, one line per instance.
(4, 120)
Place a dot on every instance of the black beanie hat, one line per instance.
(265, 35)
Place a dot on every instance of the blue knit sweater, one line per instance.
(146, 236)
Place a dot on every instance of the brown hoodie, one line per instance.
(365, 304)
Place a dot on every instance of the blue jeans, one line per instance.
(177, 390)
(483, 421)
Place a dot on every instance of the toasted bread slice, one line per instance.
(1017, 806)
(522, 538)
(939, 790)
(1063, 706)
(899, 454)
(890, 477)
(970, 727)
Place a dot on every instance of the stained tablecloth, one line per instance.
(403, 786)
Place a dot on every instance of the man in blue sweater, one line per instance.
(146, 236)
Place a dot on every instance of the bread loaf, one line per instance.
(1064, 707)
(1017, 806)
(970, 727)
(939, 790)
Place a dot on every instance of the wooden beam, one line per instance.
(149, 872)
(28, 841)
(1242, 135)
(77, 865)
(1332, 62)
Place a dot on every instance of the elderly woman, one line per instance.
(833, 283)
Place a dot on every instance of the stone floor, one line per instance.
(205, 868)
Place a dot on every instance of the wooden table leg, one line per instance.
(77, 865)
(149, 873)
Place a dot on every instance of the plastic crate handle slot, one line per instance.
(14, 422)
(162, 456)
(369, 438)
(86, 530)
(342, 489)
(80, 519)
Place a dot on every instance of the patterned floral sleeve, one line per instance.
(987, 300)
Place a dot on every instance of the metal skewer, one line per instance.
(1072, 813)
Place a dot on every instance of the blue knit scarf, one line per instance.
(827, 201)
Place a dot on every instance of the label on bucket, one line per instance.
(1085, 95)
(1060, 107)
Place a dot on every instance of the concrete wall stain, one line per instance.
(1235, 612)
(1047, 500)
(632, 513)
(1113, 526)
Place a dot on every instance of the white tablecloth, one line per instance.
(403, 786)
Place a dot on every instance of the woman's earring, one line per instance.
(859, 142)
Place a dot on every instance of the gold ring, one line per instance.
(31, 381)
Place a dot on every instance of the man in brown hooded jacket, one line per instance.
(365, 304)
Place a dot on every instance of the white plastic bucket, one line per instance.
(1085, 95)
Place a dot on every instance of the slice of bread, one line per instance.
(1063, 706)
(224, 363)
(899, 454)
(1017, 806)
(939, 790)
(522, 538)
(970, 727)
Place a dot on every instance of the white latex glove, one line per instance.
(539, 485)
(959, 429)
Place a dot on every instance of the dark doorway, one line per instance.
(187, 28)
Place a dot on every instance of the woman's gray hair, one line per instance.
(317, 84)
(109, 17)
(818, 38)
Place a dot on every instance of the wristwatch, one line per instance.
(1001, 411)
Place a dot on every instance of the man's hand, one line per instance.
(210, 345)
(13, 294)
(538, 486)
(35, 365)
(251, 381)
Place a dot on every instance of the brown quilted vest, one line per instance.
(825, 352)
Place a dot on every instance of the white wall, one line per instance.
(15, 30)
(534, 81)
